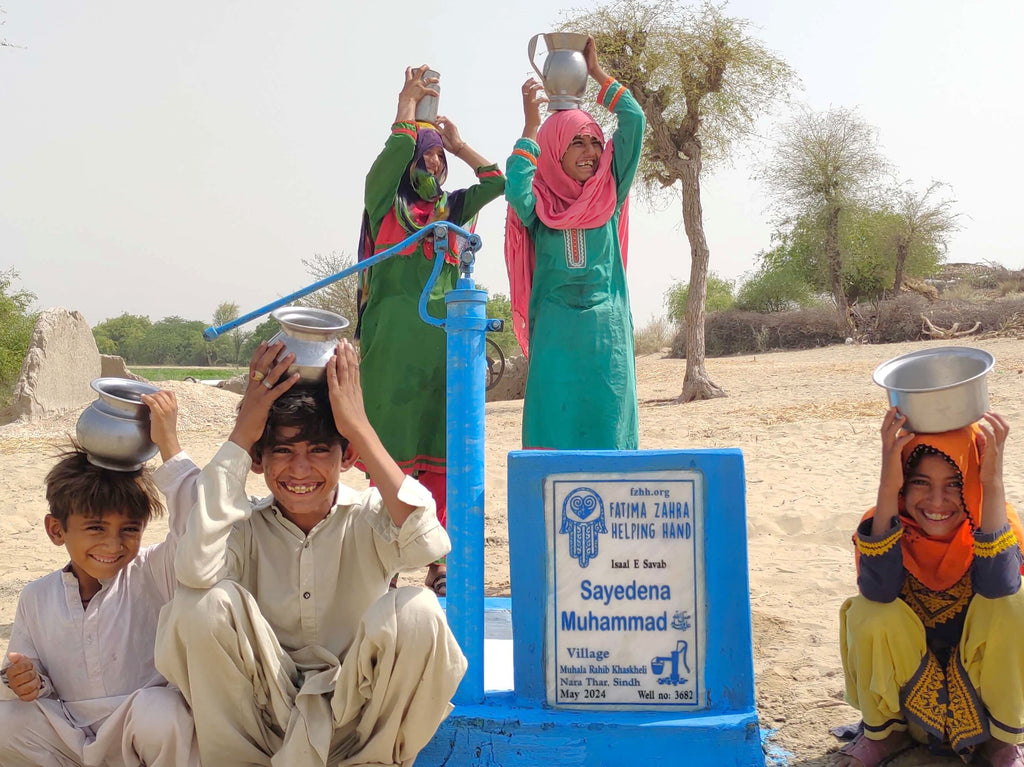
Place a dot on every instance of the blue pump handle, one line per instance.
(466, 259)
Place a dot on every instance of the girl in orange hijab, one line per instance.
(931, 647)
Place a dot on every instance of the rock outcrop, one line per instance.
(62, 360)
(513, 381)
(113, 366)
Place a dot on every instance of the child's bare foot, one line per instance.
(864, 752)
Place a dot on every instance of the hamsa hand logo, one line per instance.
(583, 521)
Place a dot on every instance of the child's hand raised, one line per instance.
(22, 677)
(346, 392)
(268, 380)
(993, 430)
(894, 438)
(891, 482)
(415, 87)
(163, 422)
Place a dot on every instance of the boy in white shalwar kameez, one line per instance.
(80, 688)
(284, 637)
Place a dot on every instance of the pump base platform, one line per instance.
(502, 732)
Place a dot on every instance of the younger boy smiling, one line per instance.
(80, 684)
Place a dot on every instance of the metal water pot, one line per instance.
(565, 70)
(311, 335)
(938, 389)
(114, 430)
(426, 107)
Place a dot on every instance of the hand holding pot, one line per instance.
(593, 66)
(894, 437)
(533, 97)
(163, 422)
(991, 438)
(350, 420)
(413, 90)
(346, 392)
(268, 380)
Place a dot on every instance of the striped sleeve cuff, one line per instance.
(404, 129)
(488, 171)
(527, 148)
(610, 93)
(877, 546)
(988, 545)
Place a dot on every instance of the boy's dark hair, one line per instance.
(307, 408)
(75, 486)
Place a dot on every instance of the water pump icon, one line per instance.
(676, 659)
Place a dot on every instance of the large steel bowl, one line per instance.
(937, 389)
(311, 335)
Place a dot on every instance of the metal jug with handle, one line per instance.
(426, 107)
(565, 70)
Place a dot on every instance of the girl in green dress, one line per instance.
(403, 359)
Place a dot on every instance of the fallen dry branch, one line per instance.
(952, 332)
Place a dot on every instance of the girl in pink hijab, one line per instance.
(565, 248)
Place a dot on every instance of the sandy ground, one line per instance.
(807, 424)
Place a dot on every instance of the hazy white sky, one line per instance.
(162, 158)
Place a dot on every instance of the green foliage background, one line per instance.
(16, 323)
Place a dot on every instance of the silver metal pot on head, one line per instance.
(564, 73)
(938, 389)
(114, 429)
(311, 335)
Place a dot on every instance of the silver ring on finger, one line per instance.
(266, 382)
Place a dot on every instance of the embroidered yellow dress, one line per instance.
(943, 659)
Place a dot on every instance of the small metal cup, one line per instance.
(426, 108)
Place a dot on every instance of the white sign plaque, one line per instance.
(626, 624)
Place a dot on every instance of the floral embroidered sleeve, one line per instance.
(880, 570)
(995, 569)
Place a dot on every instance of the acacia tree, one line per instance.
(823, 164)
(923, 220)
(339, 297)
(702, 81)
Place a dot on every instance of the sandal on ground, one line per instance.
(439, 585)
(1006, 755)
(877, 753)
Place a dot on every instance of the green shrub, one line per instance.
(719, 298)
(775, 290)
(16, 324)
(499, 307)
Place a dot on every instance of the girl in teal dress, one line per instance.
(566, 250)
(403, 359)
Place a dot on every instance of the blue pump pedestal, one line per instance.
(522, 726)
